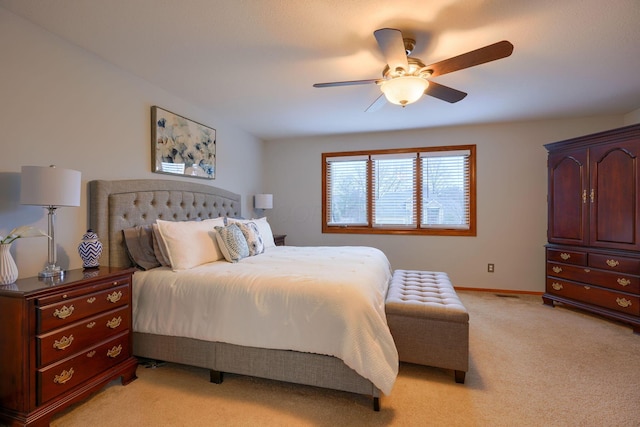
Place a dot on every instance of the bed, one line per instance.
(120, 205)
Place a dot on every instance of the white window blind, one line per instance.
(445, 189)
(347, 199)
(394, 190)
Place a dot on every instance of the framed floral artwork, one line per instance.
(180, 146)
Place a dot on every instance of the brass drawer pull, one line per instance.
(557, 286)
(63, 377)
(115, 351)
(612, 263)
(623, 302)
(91, 325)
(565, 256)
(623, 282)
(557, 269)
(114, 297)
(114, 323)
(63, 343)
(91, 353)
(91, 300)
(63, 312)
(587, 270)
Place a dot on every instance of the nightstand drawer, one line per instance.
(61, 343)
(63, 376)
(73, 309)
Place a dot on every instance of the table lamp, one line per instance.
(52, 188)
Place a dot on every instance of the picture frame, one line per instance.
(180, 146)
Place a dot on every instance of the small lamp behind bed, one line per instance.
(263, 201)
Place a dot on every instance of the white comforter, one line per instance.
(325, 300)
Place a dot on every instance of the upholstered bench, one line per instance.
(428, 322)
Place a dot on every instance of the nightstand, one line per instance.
(62, 339)
(279, 239)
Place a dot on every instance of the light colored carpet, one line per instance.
(531, 365)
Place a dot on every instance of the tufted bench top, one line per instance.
(424, 294)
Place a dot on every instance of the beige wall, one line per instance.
(64, 106)
(511, 186)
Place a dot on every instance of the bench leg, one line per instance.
(459, 375)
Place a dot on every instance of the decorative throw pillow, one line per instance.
(263, 227)
(159, 247)
(232, 242)
(190, 243)
(252, 236)
(139, 243)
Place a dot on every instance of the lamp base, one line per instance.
(51, 271)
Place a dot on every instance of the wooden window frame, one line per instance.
(418, 229)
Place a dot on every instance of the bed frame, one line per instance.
(116, 205)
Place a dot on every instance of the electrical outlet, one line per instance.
(490, 268)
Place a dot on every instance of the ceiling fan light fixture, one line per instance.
(404, 90)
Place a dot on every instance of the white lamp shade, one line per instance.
(263, 201)
(404, 90)
(49, 186)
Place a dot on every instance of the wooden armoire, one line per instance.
(593, 250)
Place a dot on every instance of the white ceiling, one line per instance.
(254, 61)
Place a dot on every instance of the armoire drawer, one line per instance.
(609, 279)
(618, 301)
(567, 256)
(615, 263)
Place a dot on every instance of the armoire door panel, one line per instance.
(614, 207)
(567, 192)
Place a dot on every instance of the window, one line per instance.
(404, 191)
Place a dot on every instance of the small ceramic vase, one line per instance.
(90, 249)
(8, 267)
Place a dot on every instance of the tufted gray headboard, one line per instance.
(116, 205)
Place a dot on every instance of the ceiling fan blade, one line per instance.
(377, 104)
(347, 83)
(444, 93)
(470, 59)
(392, 47)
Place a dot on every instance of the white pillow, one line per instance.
(190, 243)
(263, 227)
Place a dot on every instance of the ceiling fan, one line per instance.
(405, 79)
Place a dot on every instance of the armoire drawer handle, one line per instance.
(623, 282)
(565, 256)
(612, 263)
(623, 302)
(557, 269)
(557, 286)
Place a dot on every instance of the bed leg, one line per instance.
(216, 376)
(376, 404)
(459, 376)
